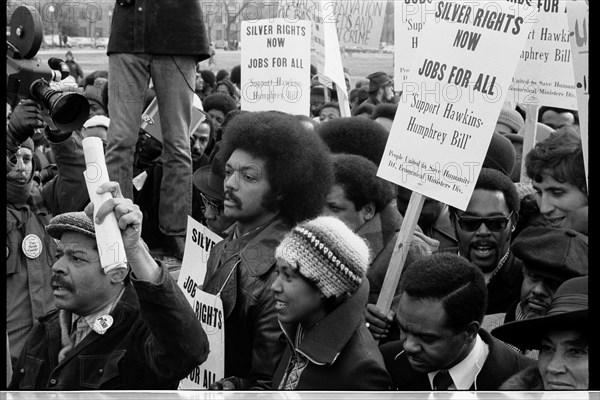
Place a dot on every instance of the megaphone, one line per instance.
(68, 111)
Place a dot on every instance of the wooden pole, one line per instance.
(392, 276)
(531, 114)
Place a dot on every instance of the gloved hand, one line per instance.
(230, 383)
(23, 121)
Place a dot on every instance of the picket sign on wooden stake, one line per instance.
(531, 116)
(392, 276)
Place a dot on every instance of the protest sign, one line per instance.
(579, 25)
(199, 242)
(409, 19)
(275, 64)
(151, 118)
(359, 23)
(450, 104)
(207, 307)
(544, 75)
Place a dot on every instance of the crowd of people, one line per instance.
(492, 297)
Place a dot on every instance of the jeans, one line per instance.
(174, 80)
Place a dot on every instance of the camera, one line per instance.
(26, 77)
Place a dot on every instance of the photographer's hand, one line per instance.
(25, 118)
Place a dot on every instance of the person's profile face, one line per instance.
(557, 200)
(338, 205)
(296, 300)
(563, 362)
(428, 343)
(247, 188)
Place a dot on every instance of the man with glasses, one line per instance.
(484, 232)
(209, 182)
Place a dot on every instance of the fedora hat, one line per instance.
(378, 80)
(209, 179)
(568, 310)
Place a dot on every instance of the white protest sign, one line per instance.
(198, 243)
(328, 58)
(333, 67)
(451, 101)
(579, 24)
(207, 307)
(209, 311)
(409, 20)
(359, 23)
(275, 64)
(544, 75)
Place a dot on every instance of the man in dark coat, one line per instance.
(112, 329)
(442, 303)
(277, 173)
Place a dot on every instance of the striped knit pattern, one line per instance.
(71, 222)
(326, 252)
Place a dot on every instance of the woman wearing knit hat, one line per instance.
(320, 295)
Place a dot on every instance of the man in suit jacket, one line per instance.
(442, 303)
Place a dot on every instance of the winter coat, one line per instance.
(501, 363)
(341, 351)
(28, 290)
(154, 342)
(243, 270)
(166, 27)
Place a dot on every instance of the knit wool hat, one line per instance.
(500, 155)
(511, 118)
(326, 251)
(71, 222)
(554, 253)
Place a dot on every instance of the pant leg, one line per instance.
(129, 76)
(174, 80)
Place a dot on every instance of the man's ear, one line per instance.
(369, 210)
(118, 275)
(471, 331)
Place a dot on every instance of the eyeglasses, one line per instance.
(495, 224)
(216, 207)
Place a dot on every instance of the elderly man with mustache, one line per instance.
(112, 329)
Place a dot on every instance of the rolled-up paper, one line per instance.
(108, 234)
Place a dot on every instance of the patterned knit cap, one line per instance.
(71, 222)
(325, 251)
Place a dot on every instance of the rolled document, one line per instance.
(108, 234)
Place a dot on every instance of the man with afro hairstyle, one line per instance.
(277, 173)
(218, 105)
(355, 135)
(365, 203)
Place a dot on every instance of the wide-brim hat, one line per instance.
(77, 222)
(568, 310)
(378, 80)
(209, 179)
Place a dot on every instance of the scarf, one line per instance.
(18, 193)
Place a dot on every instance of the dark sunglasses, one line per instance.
(216, 207)
(495, 224)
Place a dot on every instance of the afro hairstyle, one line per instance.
(358, 177)
(353, 135)
(298, 165)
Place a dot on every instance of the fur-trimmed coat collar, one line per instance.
(528, 379)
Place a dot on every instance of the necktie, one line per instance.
(442, 380)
